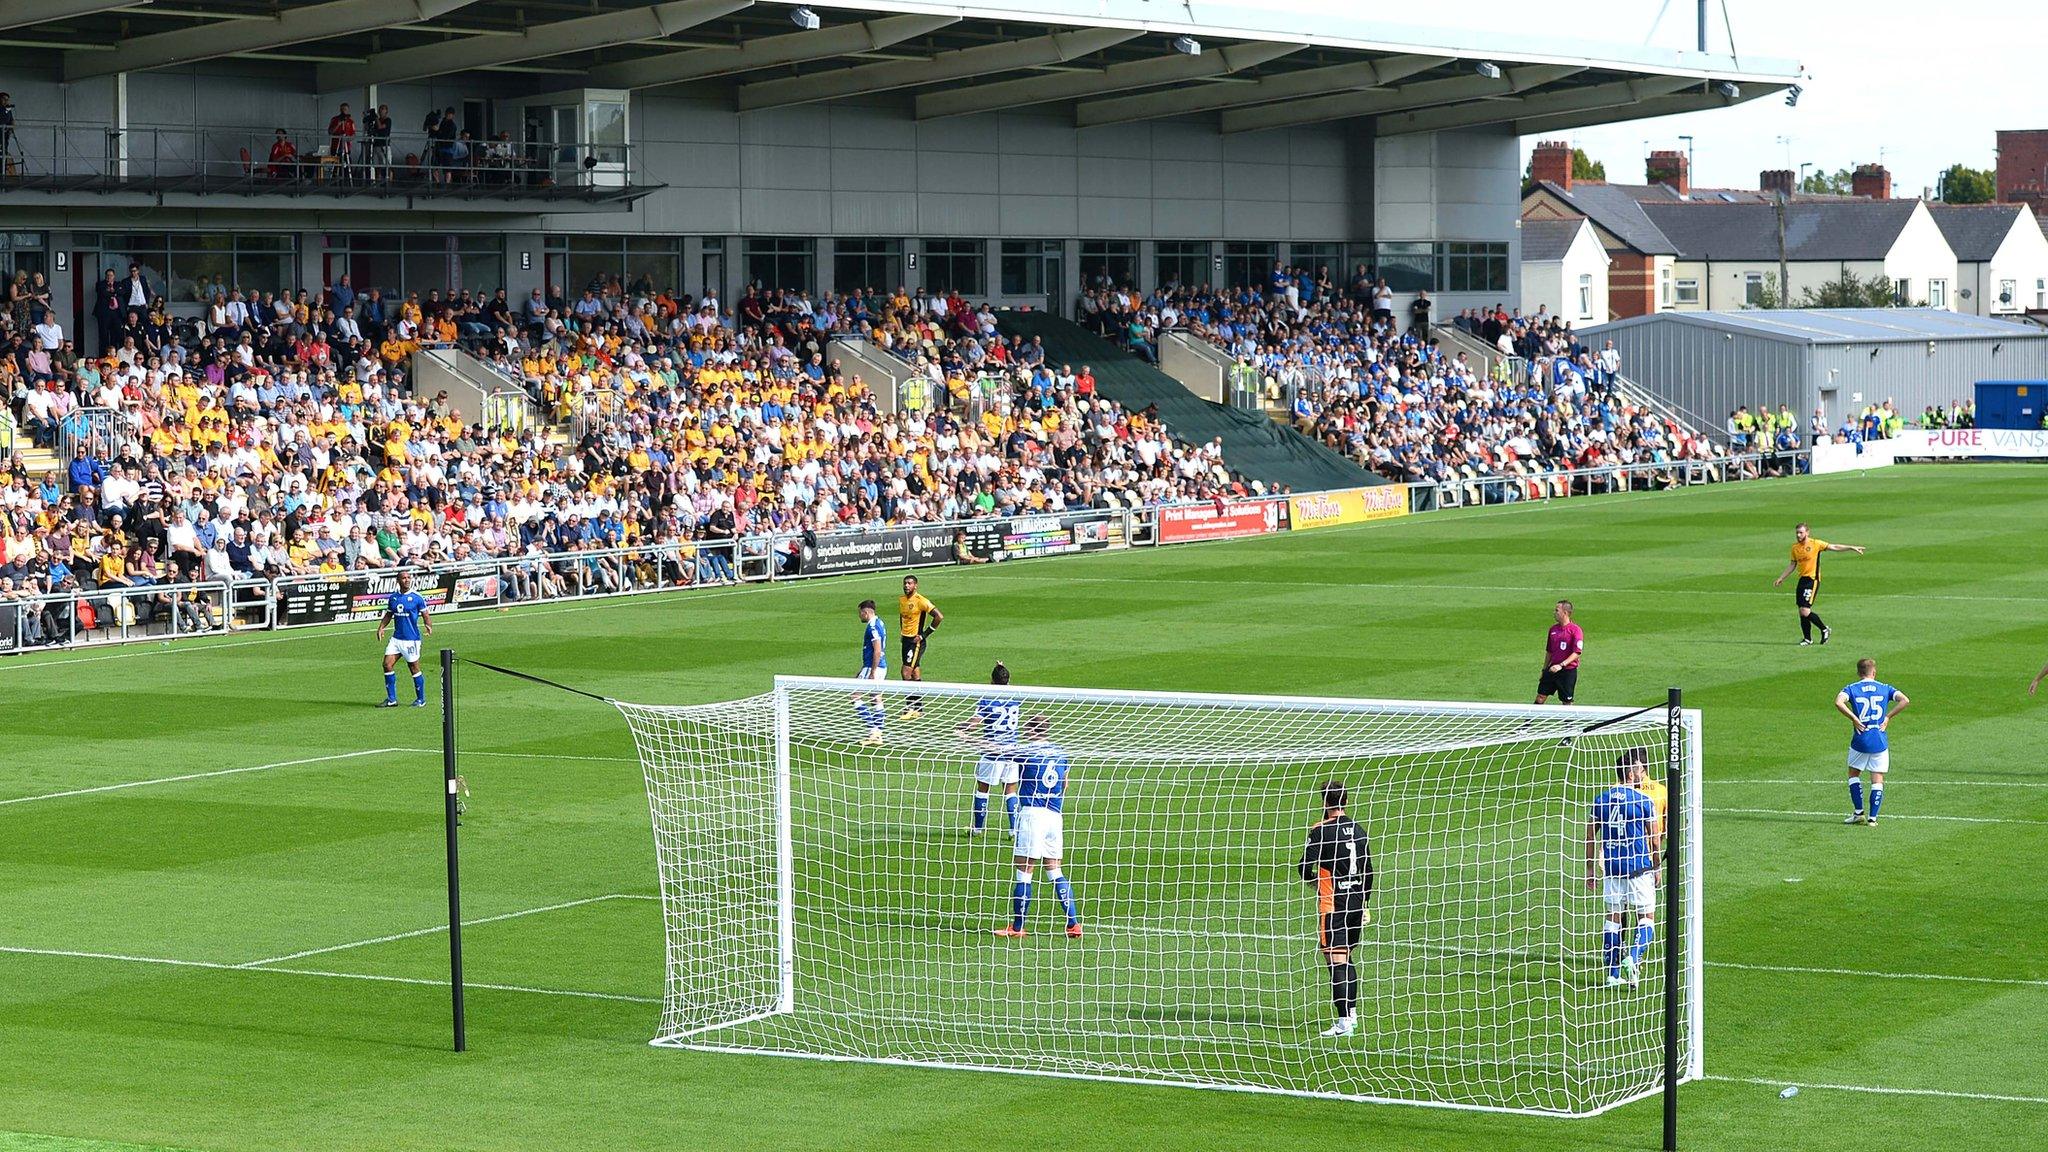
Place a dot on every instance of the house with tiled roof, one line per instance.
(1674, 247)
(2001, 257)
(1564, 270)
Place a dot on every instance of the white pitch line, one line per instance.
(212, 966)
(198, 775)
(2007, 981)
(429, 931)
(358, 627)
(1875, 1090)
(531, 755)
(1914, 782)
(1837, 814)
(1141, 577)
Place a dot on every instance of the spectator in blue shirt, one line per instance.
(85, 470)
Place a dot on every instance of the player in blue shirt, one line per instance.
(995, 724)
(1623, 837)
(1869, 704)
(1042, 771)
(405, 613)
(874, 665)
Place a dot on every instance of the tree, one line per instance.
(1820, 183)
(1960, 185)
(1846, 291)
(1767, 294)
(1852, 291)
(1584, 167)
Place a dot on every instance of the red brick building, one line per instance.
(2023, 168)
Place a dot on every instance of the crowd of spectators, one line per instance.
(276, 435)
(367, 151)
(1356, 367)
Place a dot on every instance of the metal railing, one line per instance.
(170, 611)
(141, 611)
(100, 431)
(508, 410)
(61, 155)
(1560, 484)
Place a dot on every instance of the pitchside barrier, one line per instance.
(1933, 444)
(166, 612)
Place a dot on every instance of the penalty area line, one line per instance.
(1838, 814)
(198, 775)
(165, 961)
(1877, 1090)
(431, 930)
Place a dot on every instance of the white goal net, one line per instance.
(823, 896)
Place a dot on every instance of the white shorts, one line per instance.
(881, 673)
(1623, 892)
(996, 770)
(1040, 834)
(406, 650)
(1870, 761)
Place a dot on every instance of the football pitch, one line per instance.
(223, 879)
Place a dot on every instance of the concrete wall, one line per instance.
(1198, 365)
(1463, 185)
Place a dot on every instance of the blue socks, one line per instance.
(1856, 795)
(980, 810)
(1611, 948)
(1644, 934)
(1876, 800)
(1020, 900)
(419, 687)
(1065, 891)
(391, 687)
(1010, 809)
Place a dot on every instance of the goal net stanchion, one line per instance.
(822, 897)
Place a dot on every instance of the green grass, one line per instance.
(104, 1053)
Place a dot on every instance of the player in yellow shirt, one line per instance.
(919, 619)
(1806, 562)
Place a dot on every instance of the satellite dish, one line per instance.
(1965, 293)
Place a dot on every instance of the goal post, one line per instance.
(823, 896)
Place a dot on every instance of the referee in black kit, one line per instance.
(1338, 861)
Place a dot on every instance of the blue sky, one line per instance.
(1914, 87)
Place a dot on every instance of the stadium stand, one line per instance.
(1348, 374)
(279, 437)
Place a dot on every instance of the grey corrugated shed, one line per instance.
(1838, 360)
(1549, 239)
(1974, 231)
(1814, 230)
(1614, 208)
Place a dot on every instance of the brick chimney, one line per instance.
(1776, 180)
(1668, 167)
(1871, 180)
(1552, 161)
(2023, 167)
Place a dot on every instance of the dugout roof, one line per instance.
(1106, 61)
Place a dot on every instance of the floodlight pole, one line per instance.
(450, 785)
(1674, 852)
